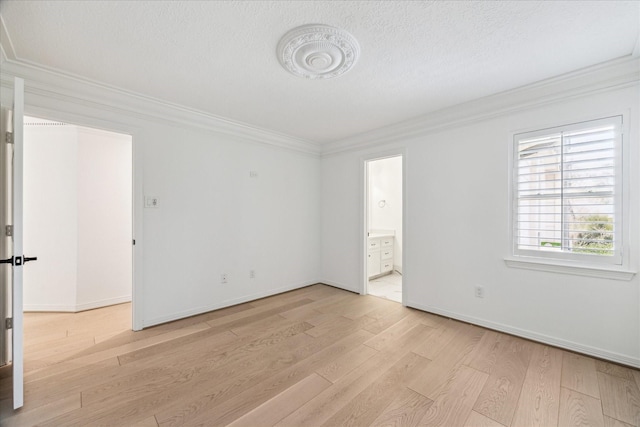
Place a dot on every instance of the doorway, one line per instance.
(78, 217)
(13, 199)
(384, 227)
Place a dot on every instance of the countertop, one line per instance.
(378, 235)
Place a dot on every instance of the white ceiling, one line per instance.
(417, 57)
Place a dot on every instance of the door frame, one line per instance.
(6, 299)
(137, 194)
(13, 343)
(364, 215)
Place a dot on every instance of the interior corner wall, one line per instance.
(457, 233)
(104, 263)
(50, 217)
(385, 179)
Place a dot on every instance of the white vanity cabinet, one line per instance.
(379, 255)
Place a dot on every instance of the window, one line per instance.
(567, 196)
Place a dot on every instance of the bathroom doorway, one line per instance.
(384, 227)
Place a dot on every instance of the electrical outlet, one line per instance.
(479, 291)
(252, 274)
(151, 202)
(224, 278)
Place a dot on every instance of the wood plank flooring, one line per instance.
(317, 356)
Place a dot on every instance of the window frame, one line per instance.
(616, 267)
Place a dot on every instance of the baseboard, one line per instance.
(377, 276)
(50, 307)
(103, 303)
(78, 307)
(227, 303)
(340, 286)
(534, 336)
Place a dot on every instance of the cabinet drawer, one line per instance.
(374, 243)
(386, 266)
(386, 241)
(386, 253)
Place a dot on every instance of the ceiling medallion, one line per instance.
(317, 51)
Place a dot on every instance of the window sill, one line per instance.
(578, 270)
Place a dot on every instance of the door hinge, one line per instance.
(9, 137)
(8, 230)
(8, 323)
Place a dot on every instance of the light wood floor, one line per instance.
(314, 356)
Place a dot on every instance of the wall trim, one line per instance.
(66, 87)
(611, 75)
(103, 303)
(353, 289)
(227, 303)
(78, 307)
(531, 335)
(50, 307)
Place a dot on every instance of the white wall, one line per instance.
(213, 218)
(104, 189)
(51, 217)
(78, 220)
(457, 233)
(385, 180)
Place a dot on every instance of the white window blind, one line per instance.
(567, 192)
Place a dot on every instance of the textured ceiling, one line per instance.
(417, 57)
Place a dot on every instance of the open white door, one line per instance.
(18, 258)
(12, 137)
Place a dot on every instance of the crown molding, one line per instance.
(6, 46)
(607, 76)
(77, 90)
